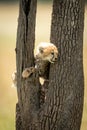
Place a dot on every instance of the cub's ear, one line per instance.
(41, 49)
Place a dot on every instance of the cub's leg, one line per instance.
(28, 71)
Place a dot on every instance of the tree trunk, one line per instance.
(64, 106)
(66, 86)
(27, 105)
(64, 99)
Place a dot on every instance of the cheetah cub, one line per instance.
(46, 53)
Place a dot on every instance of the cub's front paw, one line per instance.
(27, 72)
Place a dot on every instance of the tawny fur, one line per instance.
(46, 53)
(14, 79)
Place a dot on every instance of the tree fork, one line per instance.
(64, 99)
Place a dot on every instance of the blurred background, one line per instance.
(8, 29)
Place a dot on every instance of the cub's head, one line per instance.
(47, 52)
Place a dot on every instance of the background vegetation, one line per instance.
(8, 28)
(18, 0)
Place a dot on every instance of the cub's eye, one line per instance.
(52, 53)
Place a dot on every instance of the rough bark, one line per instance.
(64, 99)
(64, 107)
(27, 89)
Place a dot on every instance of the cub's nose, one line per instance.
(55, 58)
